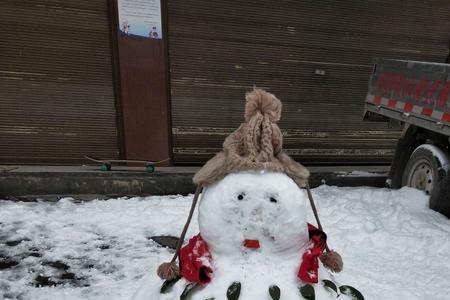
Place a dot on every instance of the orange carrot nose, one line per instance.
(252, 244)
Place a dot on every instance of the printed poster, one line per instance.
(140, 18)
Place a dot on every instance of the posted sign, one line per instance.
(140, 18)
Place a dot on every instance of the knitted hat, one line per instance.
(255, 145)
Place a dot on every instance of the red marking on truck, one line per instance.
(428, 92)
(419, 88)
(409, 83)
(443, 95)
(436, 85)
(392, 102)
(382, 81)
(446, 117)
(427, 111)
(398, 84)
(408, 107)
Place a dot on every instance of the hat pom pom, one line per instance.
(332, 260)
(168, 271)
(260, 101)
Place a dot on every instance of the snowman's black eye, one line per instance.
(273, 200)
(240, 197)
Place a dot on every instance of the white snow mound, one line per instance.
(392, 245)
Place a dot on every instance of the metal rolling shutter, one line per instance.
(56, 81)
(316, 56)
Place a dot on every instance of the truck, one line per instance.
(414, 96)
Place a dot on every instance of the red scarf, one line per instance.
(309, 267)
(195, 259)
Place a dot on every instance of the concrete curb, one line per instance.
(29, 184)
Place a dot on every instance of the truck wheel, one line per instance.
(426, 170)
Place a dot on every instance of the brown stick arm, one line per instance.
(188, 221)
(316, 215)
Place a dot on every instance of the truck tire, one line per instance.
(427, 170)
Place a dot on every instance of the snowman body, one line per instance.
(255, 227)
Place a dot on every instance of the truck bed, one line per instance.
(416, 93)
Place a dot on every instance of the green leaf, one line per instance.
(351, 292)
(274, 292)
(307, 292)
(168, 284)
(234, 290)
(187, 290)
(330, 284)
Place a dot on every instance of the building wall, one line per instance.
(316, 56)
(71, 83)
(57, 92)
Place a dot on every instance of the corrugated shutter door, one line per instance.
(316, 56)
(56, 82)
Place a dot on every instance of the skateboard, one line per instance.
(106, 164)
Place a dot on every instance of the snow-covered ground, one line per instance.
(393, 246)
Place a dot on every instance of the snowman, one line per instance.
(254, 241)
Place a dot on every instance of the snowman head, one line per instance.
(266, 210)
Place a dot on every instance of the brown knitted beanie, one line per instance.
(255, 145)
